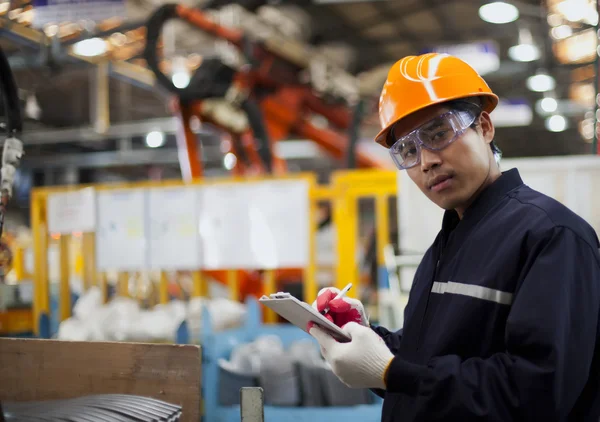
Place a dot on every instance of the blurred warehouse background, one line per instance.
(272, 105)
(85, 116)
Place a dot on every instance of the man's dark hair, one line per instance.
(474, 104)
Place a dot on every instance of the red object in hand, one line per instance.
(342, 310)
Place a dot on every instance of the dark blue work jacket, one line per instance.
(503, 318)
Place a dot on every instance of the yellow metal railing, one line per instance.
(343, 193)
(348, 188)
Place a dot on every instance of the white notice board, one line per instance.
(173, 229)
(224, 226)
(73, 211)
(121, 230)
(279, 223)
(256, 225)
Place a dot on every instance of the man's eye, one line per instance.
(409, 151)
(440, 134)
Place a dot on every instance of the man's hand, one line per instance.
(360, 363)
(342, 310)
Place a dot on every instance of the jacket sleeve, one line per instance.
(392, 340)
(550, 336)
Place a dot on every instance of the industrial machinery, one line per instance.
(263, 86)
(15, 307)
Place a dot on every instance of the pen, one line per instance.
(339, 295)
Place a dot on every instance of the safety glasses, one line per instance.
(434, 135)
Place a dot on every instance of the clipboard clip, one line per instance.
(280, 295)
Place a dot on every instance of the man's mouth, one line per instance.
(440, 183)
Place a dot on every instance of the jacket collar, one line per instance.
(485, 201)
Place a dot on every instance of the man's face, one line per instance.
(452, 177)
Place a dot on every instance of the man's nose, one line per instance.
(429, 159)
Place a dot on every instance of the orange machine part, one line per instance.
(250, 282)
(287, 110)
(187, 147)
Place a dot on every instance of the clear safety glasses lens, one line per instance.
(434, 135)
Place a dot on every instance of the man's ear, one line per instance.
(487, 127)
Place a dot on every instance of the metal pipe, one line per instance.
(99, 98)
(354, 132)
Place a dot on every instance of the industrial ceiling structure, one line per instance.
(88, 115)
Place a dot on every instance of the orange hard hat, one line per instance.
(416, 82)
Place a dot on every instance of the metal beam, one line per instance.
(403, 33)
(139, 76)
(404, 13)
(127, 26)
(487, 32)
(347, 32)
(132, 158)
(445, 22)
(301, 149)
(34, 38)
(167, 125)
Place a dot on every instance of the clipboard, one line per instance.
(300, 314)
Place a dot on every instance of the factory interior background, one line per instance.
(183, 159)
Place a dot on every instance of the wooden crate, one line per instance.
(33, 369)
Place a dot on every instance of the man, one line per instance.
(503, 318)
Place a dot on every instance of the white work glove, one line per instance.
(342, 310)
(360, 363)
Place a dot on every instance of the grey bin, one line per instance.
(279, 381)
(338, 394)
(230, 384)
(311, 384)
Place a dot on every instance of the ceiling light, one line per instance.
(574, 10)
(32, 107)
(484, 57)
(561, 32)
(498, 12)
(554, 19)
(118, 39)
(180, 73)
(181, 79)
(548, 104)
(556, 123)
(541, 82)
(587, 128)
(155, 139)
(90, 47)
(229, 161)
(50, 30)
(524, 52)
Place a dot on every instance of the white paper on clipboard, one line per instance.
(300, 314)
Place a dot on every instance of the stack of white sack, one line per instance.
(122, 319)
(224, 314)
